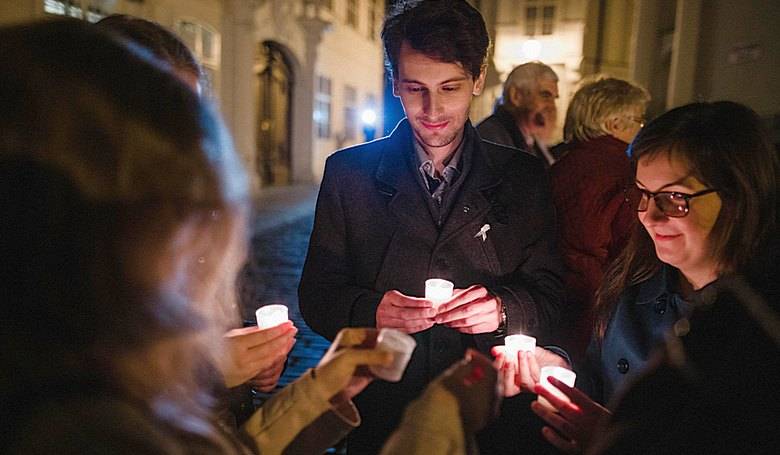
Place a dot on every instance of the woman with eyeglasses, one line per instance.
(705, 194)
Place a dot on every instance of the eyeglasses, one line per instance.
(672, 203)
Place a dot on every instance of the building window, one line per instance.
(548, 18)
(350, 113)
(322, 101)
(373, 18)
(202, 40)
(539, 18)
(353, 9)
(73, 8)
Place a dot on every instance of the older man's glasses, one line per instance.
(672, 203)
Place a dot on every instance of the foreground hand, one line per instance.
(343, 371)
(572, 423)
(251, 351)
(266, 380)
(522, 374)
(404, 313)
(473, 310)
(474, 383)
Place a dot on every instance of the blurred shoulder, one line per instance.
(90, 426)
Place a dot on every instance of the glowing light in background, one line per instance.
(531, 49)
(368, 116)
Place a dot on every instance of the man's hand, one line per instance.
(473, 310)
(251, 351)
(404, 313)
(573, 421)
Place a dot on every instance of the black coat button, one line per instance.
(660, 305)
(622, 366)
(439, 346)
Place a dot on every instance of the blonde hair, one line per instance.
(596, 102)
(136, 223)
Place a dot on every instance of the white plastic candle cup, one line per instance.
(438, 290)
(516, 343)
(271, 315)
(402, 346)
(562, 374)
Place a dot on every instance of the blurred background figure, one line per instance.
(589, 184)
(525, 116)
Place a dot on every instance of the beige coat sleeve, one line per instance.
(300, 419)
(431, 424)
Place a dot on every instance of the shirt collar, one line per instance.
(450, 171)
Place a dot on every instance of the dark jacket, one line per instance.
(501, 128)
(594, 219)
(374, 232)
(643, 315)
(712, 388)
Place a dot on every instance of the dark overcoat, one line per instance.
(374, 232)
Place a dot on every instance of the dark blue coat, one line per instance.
(374, 232)
(642, 317)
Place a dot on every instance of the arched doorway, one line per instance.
(274, 95)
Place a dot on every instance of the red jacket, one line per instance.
(594, 221)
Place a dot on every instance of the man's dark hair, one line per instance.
(451, 31)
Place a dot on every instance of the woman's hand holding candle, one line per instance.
(522, 373)
(572, 420)
(252, 352)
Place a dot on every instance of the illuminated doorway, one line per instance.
(274, 94)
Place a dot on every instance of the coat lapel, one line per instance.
(396, 180)
(472, 203)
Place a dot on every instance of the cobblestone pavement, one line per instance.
(282, 227)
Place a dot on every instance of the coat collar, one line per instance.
(395, 177)
(663, 285)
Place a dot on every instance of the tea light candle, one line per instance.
(516, 343)
(562, 374)
(271, 315)
(438, 290)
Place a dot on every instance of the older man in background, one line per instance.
(525, 117)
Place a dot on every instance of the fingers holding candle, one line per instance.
(563, 375)
(404, 313)
(571, 413)
(473, 310)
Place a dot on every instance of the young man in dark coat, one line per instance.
(432, 200)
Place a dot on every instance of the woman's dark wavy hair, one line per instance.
(726, 148)
(104, 156)
(451, 31)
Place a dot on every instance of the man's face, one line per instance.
(538, 112)
(436, 97)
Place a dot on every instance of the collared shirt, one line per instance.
(437, 185)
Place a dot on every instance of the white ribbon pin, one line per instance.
(483, 232)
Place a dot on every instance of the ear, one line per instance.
(515, 96)
(479, 83)
(614, 125)
(396, 88)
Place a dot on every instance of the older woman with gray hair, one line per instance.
(588, 190)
